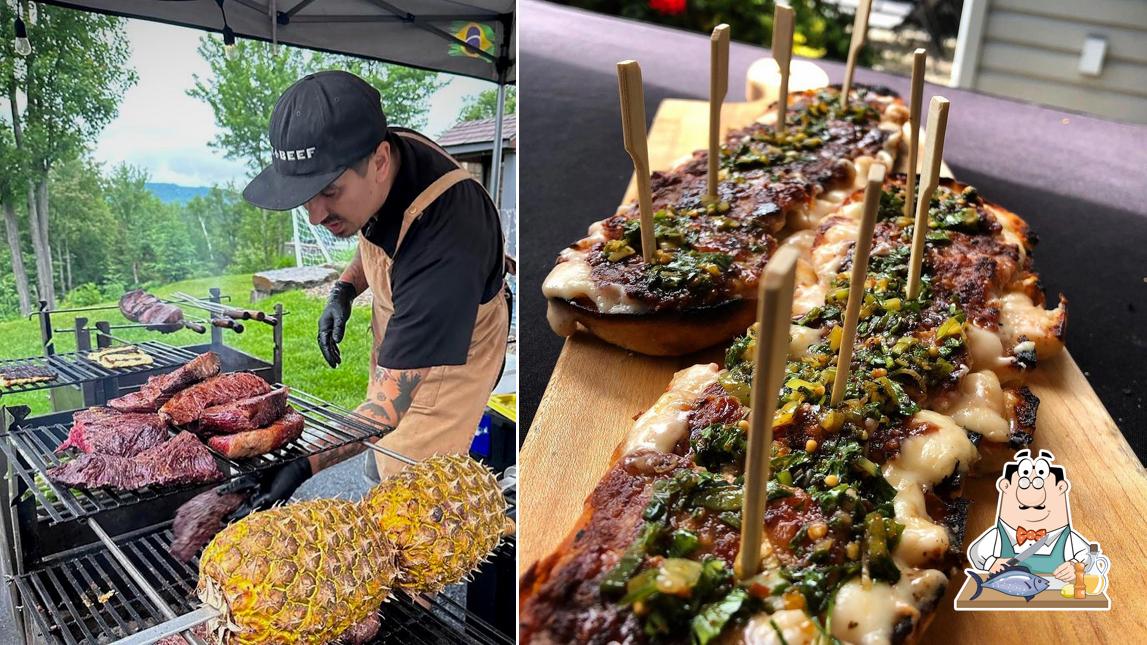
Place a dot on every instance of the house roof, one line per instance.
(481, 131)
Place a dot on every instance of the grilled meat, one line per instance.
(186, 406)
(178, 461)
(13, 375)
(260, 441)
(142, 307)
(198, 520)
(125, 435)
(244, 415)
(159, 389)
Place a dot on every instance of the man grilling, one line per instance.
(429, 250)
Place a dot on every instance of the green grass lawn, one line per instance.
(303, 365)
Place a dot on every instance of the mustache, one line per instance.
(1038, 508)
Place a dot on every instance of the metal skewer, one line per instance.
(141, 582)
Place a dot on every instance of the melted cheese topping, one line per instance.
(824, 259)
(801, 338)
(1019, 316)
(925, 460)
(981, 406)
(664, 424)
(793, 624)
(572, 279)
(868, 616)
(986, 350)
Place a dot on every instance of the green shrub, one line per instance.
(112, 291)
(85, 295)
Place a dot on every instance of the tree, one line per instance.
(85, 232)
(70, 87)
(244, 87)
(152, 241)
(233, 234)
(10, 181)
(485, 105)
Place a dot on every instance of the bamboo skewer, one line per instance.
(916, 96)
(718, 88)
(783, 54)
(860, 254)
(929, 177)
(859, 36)
(634, 136)
(774, 315)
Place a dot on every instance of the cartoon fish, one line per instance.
(1013, 581)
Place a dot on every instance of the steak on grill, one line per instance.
(142, 307)
(245, 414)
(94, 414)
(125, 435)
(159, 389)
(186, 406)
(178, 461)
(261, 441)
(199, 519)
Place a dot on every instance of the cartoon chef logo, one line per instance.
(1032, 552)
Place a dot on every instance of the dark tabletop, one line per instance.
(1080, 182)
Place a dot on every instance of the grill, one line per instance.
(85, 595)
(74, 368)
(76, 583)
(30, 452)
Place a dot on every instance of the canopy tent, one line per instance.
(467, 37)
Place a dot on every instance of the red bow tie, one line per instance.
(1023, 535)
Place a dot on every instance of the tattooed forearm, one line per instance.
(338, 455)
(393, 393)
(389, 399)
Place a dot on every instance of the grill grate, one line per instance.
(74, 368)
(65, 596)
(30, 452)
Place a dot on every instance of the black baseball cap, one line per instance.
(321, 125)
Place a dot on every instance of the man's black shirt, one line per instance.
(450, 261)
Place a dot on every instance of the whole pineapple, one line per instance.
(444, 515)
(301, 573)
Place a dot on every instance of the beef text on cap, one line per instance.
(320, 126)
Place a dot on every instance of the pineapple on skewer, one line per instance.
(443, 515)
(300, 573)
(305, 572)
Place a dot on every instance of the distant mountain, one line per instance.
(174, 193)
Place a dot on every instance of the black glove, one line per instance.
(267, 487)
(332, 323)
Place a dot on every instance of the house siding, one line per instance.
(1030, 50)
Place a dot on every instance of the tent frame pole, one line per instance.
(496, 163)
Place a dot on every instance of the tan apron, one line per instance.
(449, 403)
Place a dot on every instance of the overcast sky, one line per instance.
(162, 129)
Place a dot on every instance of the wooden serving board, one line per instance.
(1049, 600)
(596, 391)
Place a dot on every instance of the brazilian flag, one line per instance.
(476, 34)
